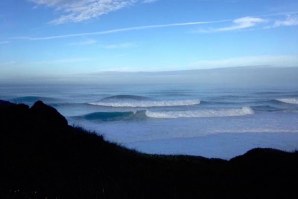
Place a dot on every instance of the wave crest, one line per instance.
(108, 116)
(124, 97)
(288, 100)
(201, 113)
(115, 116)
(146, 103)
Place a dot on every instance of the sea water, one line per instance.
(170, 119)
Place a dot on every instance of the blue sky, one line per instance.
(65, 37)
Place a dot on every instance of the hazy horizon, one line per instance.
(236, 77)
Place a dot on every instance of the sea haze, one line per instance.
(213, 113)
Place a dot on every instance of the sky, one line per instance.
(42, 38)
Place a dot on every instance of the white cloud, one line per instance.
(289, 21)
(242, 23)
(81, 10)
(77, 11)
(238, 24)
(266, 60)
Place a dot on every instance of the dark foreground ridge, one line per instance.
(41, 156)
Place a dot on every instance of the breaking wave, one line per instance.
(141, 102)
(109, 116)
(143, 114)
(201, 113)
(288, 100)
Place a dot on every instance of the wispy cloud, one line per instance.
(237, 24)
(291, 20)
(266, 60)
(120, 46)
(243, 23)
(61, 61)
(4, 42)
(78, 11)
(7, 63)
(128, 29)
(86, 42)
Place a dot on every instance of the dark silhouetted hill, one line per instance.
(41, 156)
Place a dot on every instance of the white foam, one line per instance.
(201, 113)
(144, 104)
(288, 100)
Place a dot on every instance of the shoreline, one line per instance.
(221, 145)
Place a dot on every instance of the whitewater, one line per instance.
(170, 119)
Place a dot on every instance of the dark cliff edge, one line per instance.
(41, 156)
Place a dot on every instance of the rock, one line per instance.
(48, 114)
(5, 103)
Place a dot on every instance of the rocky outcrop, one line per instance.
(47, 114)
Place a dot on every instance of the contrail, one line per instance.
(135, 28)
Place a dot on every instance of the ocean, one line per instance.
(213, 121)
